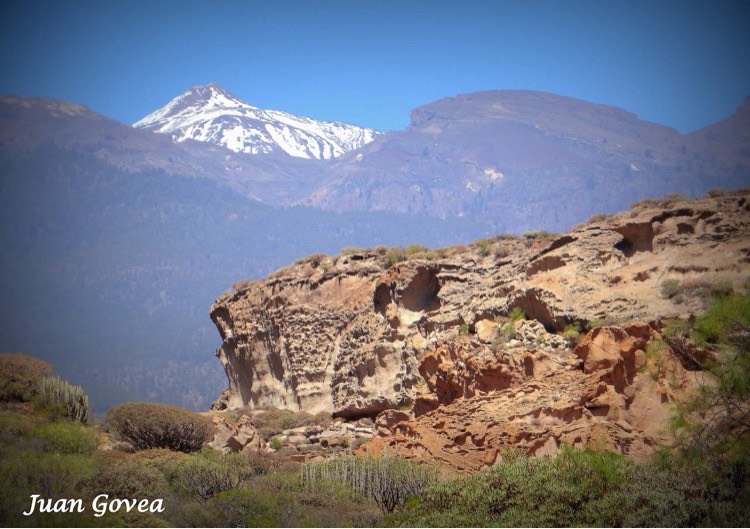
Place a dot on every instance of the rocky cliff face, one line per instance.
(425, 347)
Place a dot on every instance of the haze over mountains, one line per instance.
(116, 240)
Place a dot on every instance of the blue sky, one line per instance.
(680, 63)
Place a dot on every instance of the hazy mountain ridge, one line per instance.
(522, 159)
(116, 239)
(214, 115)
(110, 261)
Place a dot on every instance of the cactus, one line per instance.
(56, 392)
(388, 480)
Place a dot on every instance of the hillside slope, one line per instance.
(516, 160)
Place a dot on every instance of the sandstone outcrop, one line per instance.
(424, 346)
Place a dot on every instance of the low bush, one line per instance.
(483, 246)
(395, 255)
(670, 288)
(582, 488)
(129, 479)
(20, 375)
(535, 234)
(598, 217)
(414, 249)
(207, 473)
(572, 332)
(150, 425)
(716, 324)
(273, 421)
(66, 438)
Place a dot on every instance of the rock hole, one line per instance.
(422, 293)
(382, 298)
(637, 237)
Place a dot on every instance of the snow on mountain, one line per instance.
(212, 114)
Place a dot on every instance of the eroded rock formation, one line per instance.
(423, 345)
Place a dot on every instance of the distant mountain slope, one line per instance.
(212, 114)
(523, 159)
(115, 242)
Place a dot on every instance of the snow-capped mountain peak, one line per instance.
(213, 114)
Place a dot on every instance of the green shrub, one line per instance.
(483, 246)
(716, 324)
(151, 425)
(208, 473)
(66, 438)
(242, 285)
(157, 458)
(351, 250)
(598, 217)
(19, 376)
(516, 314)
(521, 491)
(395, 255)
(46, 473)
(273, 421)
(670, 288)
(645, 203)
(71, 400)
(14, 426)
(129, 479)
(535, 234)
(715, 423)
(572, 332)
(414, 249)
(275, 443)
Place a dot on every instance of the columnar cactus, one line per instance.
(56, 392)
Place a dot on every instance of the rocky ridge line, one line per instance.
(423, 345)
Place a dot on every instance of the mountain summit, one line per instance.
(213, 114)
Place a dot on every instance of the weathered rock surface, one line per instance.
(237, 433)
(356, 336)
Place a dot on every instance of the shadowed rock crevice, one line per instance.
(382, 298)
(636, 237)
(422, 292)
(544, 264)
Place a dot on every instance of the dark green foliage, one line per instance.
(151, 425)
(71, 400)
(581, 488)
(395, 255)
(720, 322)
(572, 332)
(207, 473)
(715, 424)
(19, 376)
(128, 478)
